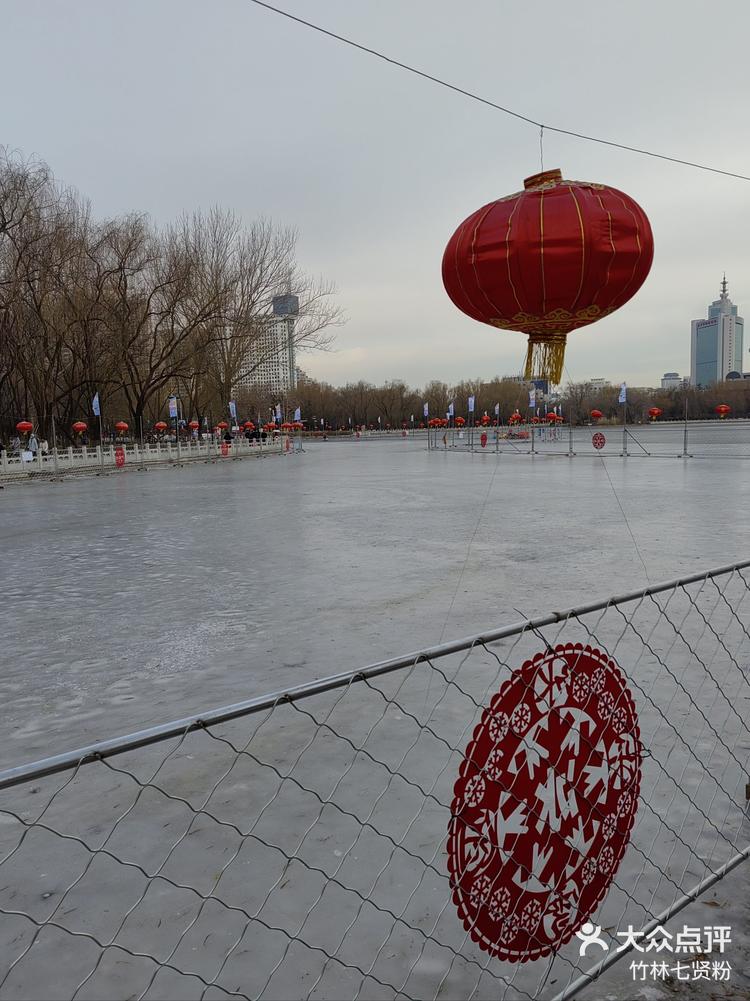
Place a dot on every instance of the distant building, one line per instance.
(673, 380)
(271, 361)
(716, 343)
(598, 383)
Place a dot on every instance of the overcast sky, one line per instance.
(168, 105)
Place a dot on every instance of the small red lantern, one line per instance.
(654, 413)
(194, 425)
(550, 259)
(460, 421)
(596, 415)
(24, 427)
(286, 426)
(222, 425)
(249, 426)
(160, 426)
(722, 410)
(121, 426)
(80, 426)
(552, 417)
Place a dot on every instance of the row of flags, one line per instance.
(96, 407)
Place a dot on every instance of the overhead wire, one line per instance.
(492, 104)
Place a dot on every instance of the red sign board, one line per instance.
(483, 439)
(544, 803)
(598, 440)
(225, 448)
(119, 457)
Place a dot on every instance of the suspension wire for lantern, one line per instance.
(541, 147)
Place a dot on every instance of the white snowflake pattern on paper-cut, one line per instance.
(495, 767)
(480, 890)
(580, 687)
(605, 705)
(520, 719)
(598, 680)
(509, 927)
(498, 727)
(606, 859)
(619, 719)
(589, 870)
(475, 789)
(624, 803)
(608, 826)
(499, 903)
(531, 916)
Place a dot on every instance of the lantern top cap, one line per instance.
(541, 180)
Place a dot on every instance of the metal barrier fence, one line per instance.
(410, 830)
(691, 439)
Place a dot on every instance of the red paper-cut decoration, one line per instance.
(544, 803)
(598, 440)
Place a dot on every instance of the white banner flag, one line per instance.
(450, 409)
(233, 410)
(497, 410)
(623, 393)
(298, 414)
(277, 412)
(172, 406)
(95, 406)
(471, 404)
(426, 409)
(532, 398)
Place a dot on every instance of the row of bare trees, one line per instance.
(133, 311)
(395, 404)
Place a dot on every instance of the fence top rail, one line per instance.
(70, 760)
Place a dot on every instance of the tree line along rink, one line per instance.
(136, 600)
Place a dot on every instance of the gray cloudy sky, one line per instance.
(167, 105)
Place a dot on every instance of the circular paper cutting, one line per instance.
(544, 803)
(598, 440)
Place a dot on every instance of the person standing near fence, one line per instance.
(33, 445)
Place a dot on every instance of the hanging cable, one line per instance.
(541, 147)
(492, 104)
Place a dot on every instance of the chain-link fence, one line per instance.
(414, 829)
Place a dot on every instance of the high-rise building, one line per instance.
(271, 361)
(716, 343)
(672, 380)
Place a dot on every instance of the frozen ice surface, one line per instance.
(132, 599)
(138, 598)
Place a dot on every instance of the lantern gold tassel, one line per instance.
(545, 357)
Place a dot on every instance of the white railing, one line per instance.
(65, 460)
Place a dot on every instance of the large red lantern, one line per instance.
(194, 425)
(160, 426)
(223, 425)
(596, 415)
(121, 426)
(654, 413)
(550, 259)
(722, 410)
(24, 427)
(80, 426)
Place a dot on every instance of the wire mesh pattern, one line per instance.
(295, 846)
